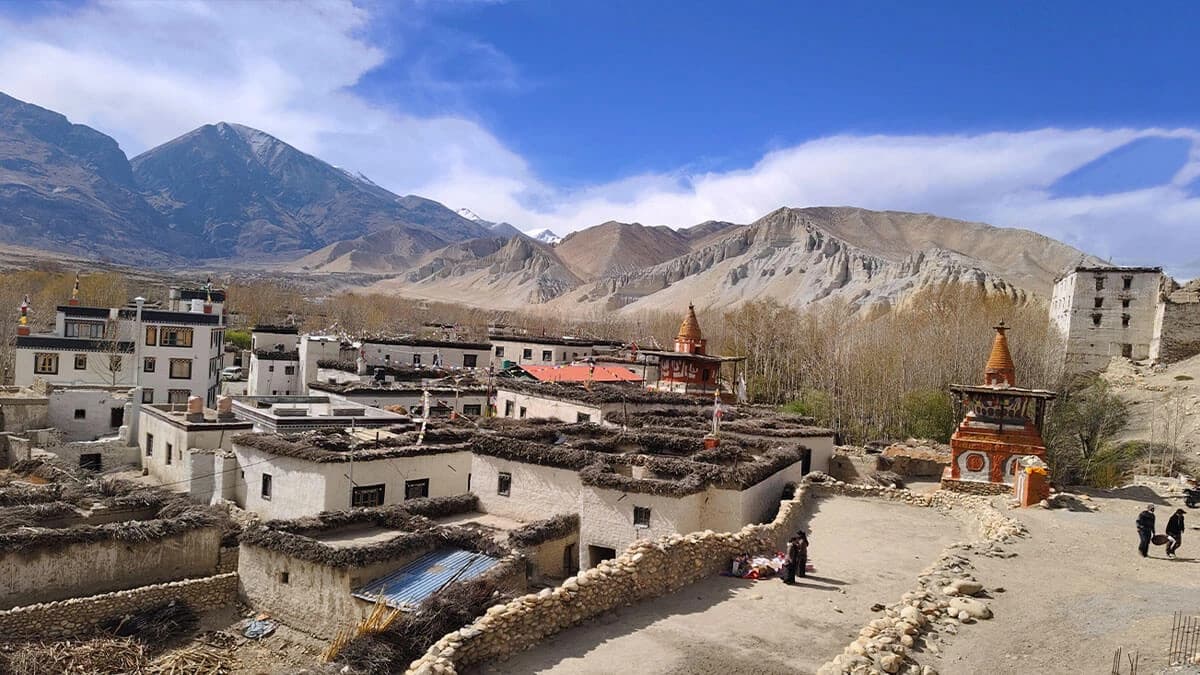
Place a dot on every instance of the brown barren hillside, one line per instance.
(618, 248)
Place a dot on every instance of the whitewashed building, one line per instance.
(274, 362)
(520, 399)
(546, 350)
(291, 476)
(171, 354)
(177, 442)
(291, 414)
(1102, 312)
(444, 399)
(419, 352)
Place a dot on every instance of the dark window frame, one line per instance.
(50, 358)
(266, 487)
(421, 484)
(470, 360)
(641, 516)
(80, 413)
(81, 362)
(171, 369)
(176, 333)
(149, 364)
(362, 496)
(149, 444)
(504, 484)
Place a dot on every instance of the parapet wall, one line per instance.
(71, 618)
(649, 569)
(1179, 335)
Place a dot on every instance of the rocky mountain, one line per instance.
(245, 193)
(872, 259)
(68, 188)
(223, 191)
(544, 235)
(519, 271)
(614, 248)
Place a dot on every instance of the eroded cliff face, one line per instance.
(792, 259)
(509, 272)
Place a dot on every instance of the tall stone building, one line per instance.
(1133, 312)
(1103, 312)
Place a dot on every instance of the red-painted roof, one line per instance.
(580, 374)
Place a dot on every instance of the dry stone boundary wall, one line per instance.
(71, 618)
(648, 569)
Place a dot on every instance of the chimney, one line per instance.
(74, 301)
(224, 408)
(195, 409)
(23, 322)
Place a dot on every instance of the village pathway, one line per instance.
(1078, 590)
(864, 552)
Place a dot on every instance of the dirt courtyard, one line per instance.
(864, 552)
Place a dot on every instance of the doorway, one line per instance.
(90, 461)
(570, 560)
(805, 461)
(598, 554)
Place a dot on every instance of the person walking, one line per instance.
(1175, 532)
(1145, 528)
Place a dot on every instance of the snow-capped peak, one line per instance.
(544, 235)
(470, 215)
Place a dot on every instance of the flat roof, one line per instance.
(581, 373)
(599, 394)
(177, 416)
(425, 576)
(422, 342)
(75, 344)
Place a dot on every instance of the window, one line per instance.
(641, 516)
(468, 482)
(508, 408)
(583, 417)
(1125, 303)
(147, 395)
(284, 578)
(522, 415)
(416, 489)
(527, 353)
(80, 414)
(1096, 319)
(547, 355)
(1127, 351)
(1099, 303)
(470, 360)
(90, 461)
(271, 368)
(84, 329)
(45, 363)
(1127, 283)
(151, 336)
(1099, 283)
(116, 417)
(289, 370)
(170, 452)
(148, 364)
(1124, 321)
(81, 362)
(178, 395)
(499, 351)
(173, 336)
(416, 359)
(149, 445)
(504, 484)
(181, 369)
(473, 410)
(366, 495)
(266, 486)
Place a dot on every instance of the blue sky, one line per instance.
(1074, 119)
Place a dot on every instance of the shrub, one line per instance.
(238, 338)
(928, 413)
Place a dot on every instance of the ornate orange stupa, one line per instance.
(689, 340)
(1000, 423)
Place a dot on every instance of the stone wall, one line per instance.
(975, 487)
(113, 453)
(56, 572)
(652, 568)
(227, 560)
(1179, 336)
(71, 618)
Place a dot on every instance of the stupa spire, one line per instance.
(1000, 369)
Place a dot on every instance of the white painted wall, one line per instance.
(450, 355)
(514, 350)
(97, 407)
(271, 377)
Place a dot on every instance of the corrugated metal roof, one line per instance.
(425, 576)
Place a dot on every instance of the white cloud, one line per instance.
(147, 72)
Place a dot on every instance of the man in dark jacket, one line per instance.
(1175, 532)
(1145, 528)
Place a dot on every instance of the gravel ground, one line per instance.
(864, 552)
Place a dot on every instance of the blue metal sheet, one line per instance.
(425, 576)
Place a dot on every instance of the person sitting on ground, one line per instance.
(1175, 532)
(1145, 528)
